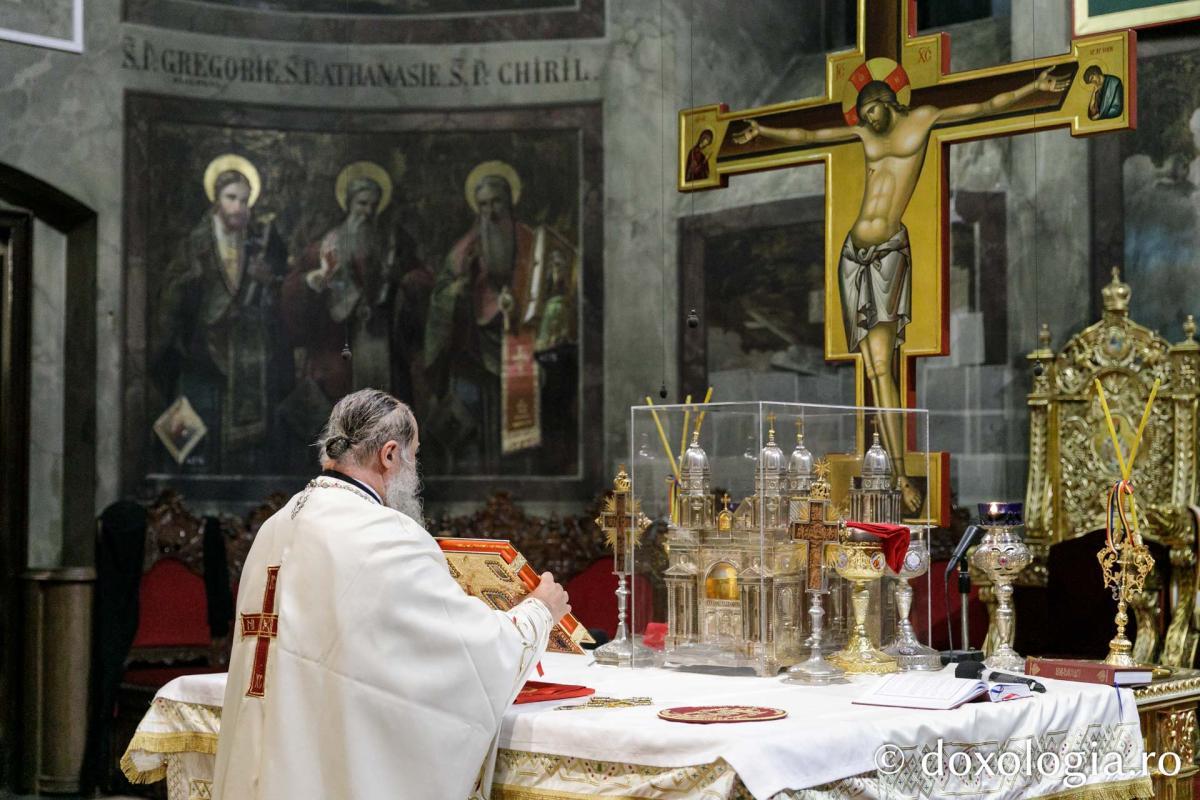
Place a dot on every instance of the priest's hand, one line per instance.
(553, 595)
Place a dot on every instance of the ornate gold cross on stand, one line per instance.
(882, 130)
(816, 533)
(622, 521)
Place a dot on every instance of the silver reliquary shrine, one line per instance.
(745, 528)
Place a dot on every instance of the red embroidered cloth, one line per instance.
(706, 715)
(893, 538)
(540, 691)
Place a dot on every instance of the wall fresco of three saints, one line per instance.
(285, 269)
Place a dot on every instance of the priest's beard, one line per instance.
(403, 493)
(497, 247)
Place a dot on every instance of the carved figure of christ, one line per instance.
(875, 268)
(882, 130)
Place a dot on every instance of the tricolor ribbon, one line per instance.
(1116, 509)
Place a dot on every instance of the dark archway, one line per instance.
(34, 199)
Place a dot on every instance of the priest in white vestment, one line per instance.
(360, 669)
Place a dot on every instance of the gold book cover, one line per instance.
(495, 572)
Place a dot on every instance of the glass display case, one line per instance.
(743, 543)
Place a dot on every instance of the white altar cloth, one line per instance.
(177, 738)
(825, 739)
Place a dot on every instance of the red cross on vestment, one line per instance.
(265, 626)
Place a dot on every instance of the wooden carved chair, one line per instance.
(1072, 464)
(174, 630)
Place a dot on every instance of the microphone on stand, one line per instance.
(964, 588)
(976, 670)
(964, 544)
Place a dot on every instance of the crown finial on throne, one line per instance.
(1188, 344)
(1116, 294)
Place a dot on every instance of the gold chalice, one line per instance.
(860, 562)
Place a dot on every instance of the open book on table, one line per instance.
(938, 692)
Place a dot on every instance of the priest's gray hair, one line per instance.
(364, 421)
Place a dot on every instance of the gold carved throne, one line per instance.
(1072, 464)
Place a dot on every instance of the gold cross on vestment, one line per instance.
(882, 130)
(265, 626)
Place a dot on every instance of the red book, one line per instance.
(1075, 669)
(541, 691)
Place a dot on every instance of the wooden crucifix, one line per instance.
(816, 533)
(814, 527)
(882, 130)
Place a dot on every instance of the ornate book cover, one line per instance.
(1087, 671)
(493, 571)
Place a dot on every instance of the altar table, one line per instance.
(825, 748)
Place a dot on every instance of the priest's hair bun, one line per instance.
(337, 446)
(364, 421)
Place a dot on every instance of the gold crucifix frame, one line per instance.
(882, 130)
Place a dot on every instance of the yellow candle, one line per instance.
(683, 433)
(1137, 442)
(1112, 429)
(700, 419)
(662, 436)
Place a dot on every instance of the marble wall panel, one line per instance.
(46, 397)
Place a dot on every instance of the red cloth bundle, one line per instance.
(541, 691)
(656, 634)
(893, 538)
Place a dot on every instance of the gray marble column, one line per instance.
(1049, 230)
(1048, 205)
(46, 397)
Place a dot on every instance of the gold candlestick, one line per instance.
(1124, 560)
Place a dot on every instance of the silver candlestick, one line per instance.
(622, 522)
(1001, 555)
(623, 650)
(816, 671)
(908, 651)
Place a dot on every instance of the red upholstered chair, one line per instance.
(173, 636)
(594, 600)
